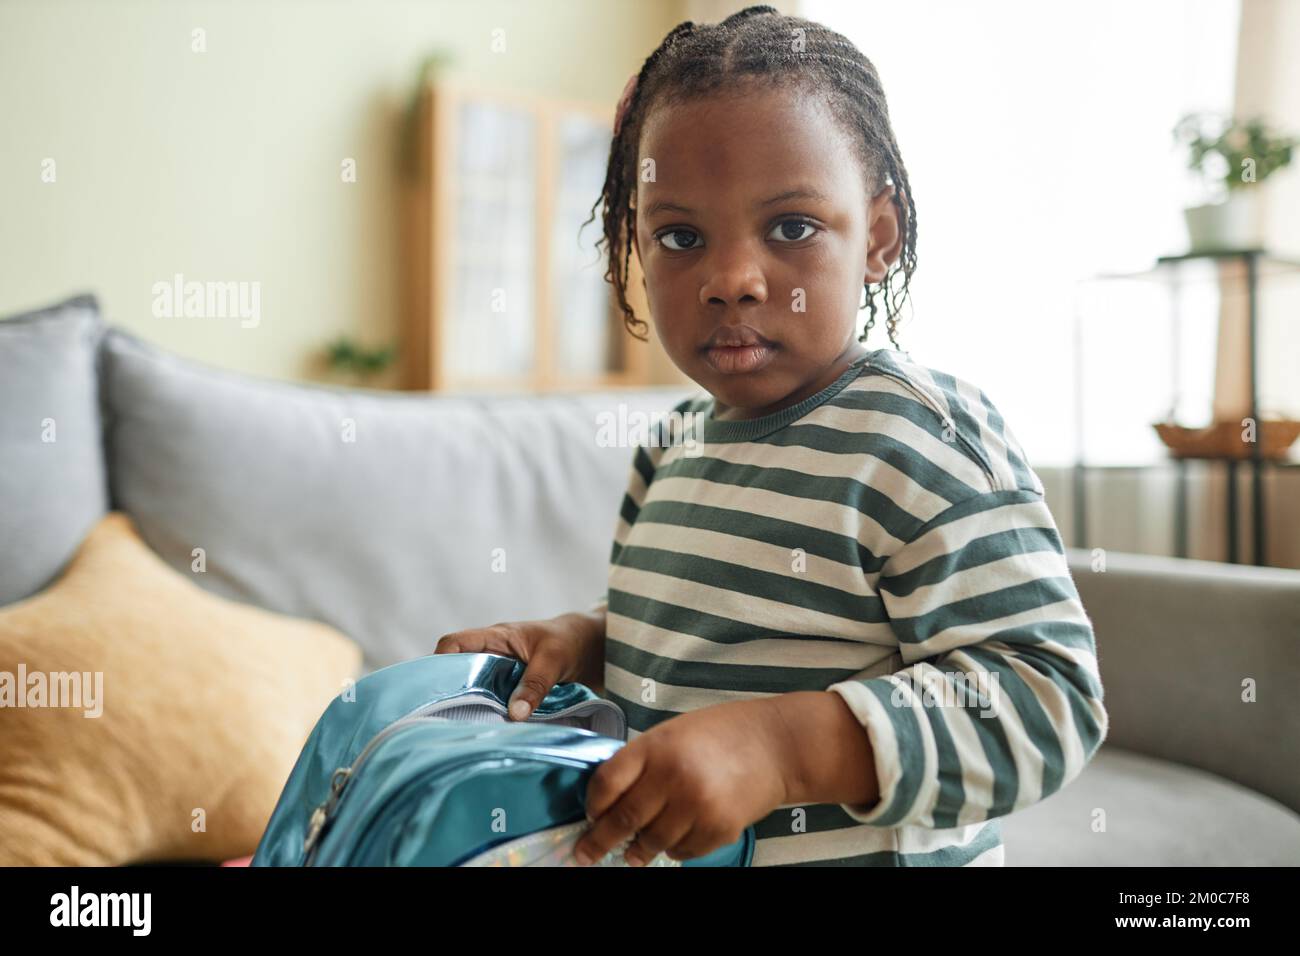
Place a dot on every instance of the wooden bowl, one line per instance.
(1223, 439)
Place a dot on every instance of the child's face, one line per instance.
(725, 259)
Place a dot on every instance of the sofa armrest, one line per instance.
(1176, 640)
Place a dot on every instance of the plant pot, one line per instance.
(1223, 439)
(1234, 224)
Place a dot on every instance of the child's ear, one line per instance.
(884, 234)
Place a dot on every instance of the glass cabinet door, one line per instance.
(491, 332)
(582, 305)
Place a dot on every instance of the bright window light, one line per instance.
(1038, 142)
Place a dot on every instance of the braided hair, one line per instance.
(759, 42)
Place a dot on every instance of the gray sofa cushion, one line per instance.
(52, 479)
(1157, 813)
(1176, 639)
(392, 537)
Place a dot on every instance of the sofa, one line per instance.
(396, 518)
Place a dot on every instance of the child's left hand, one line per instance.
(688, 785)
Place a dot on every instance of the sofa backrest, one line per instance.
(394, 517)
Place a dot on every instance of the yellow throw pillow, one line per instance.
(153, 720)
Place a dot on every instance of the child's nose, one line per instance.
(733, 280)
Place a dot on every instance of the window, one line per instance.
(1038, 143)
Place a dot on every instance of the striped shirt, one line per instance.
(884, 539)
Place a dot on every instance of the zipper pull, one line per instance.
(320, 816)
(314, 828)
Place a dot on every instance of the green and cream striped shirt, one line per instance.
(884, 539)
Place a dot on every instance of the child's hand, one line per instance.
(688, 785)
(570, 647)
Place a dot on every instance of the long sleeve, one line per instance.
(1001, 702)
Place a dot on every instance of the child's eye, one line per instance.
(788, 231)
(789, 225)
(675, 233)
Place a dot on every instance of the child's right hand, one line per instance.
(570, 647)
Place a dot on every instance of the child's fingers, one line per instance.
(613, 778)
(546, 667)
(636, 808)
(497, 639)
(700, 841)
(665, 831)
(448, 644)
(476, 641)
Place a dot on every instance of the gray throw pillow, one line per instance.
(53, 484)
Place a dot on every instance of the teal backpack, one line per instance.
(419, 766)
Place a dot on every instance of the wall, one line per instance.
(226, 164)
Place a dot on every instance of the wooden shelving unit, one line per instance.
(498, 295)
(1233, 267)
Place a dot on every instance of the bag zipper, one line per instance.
(320, 817)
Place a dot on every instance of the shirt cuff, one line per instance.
(873, 716)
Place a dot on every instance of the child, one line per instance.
(849, 621)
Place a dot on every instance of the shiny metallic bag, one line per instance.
(419, 766)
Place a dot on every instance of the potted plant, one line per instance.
(1233, 157)
(355, 364)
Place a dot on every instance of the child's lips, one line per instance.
(738, 360)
